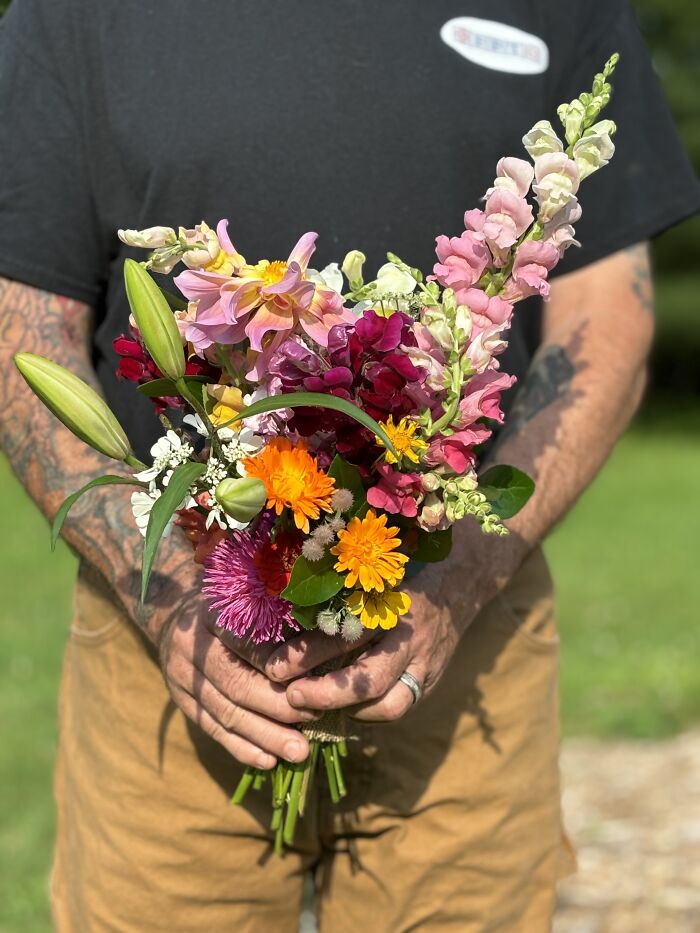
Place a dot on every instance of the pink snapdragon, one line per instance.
(482, 398)
(461, 262)
(533, 262)
(506, 217)
(398, 493)
(514, 175)
(457, 450)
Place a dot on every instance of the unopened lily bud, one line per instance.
(150, 238)
(155, 321)
(75, 403)
(352, 268)
(242, 498)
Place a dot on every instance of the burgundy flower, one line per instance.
(136, 365)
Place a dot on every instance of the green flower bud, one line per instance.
(352, 268)
(73, 402)
(242, 498)
(154, 320)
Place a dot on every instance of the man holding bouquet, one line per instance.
(378, 125)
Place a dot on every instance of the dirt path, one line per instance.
(633, 812)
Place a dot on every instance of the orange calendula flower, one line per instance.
(292, 480)
(366, 551)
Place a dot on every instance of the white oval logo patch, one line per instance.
(496, 46)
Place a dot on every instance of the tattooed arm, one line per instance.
(51, 463)
(582, 388)
(222, 691)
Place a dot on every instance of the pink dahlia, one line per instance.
(243, 578)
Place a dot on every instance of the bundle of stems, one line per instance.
(291, 784)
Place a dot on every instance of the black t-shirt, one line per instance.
(373, 123)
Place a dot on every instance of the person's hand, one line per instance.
(217, 682)
(422, 643)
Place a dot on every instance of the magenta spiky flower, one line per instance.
(243, 578)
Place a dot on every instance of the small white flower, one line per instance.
(351, 628)
(141, 504)
(150, 238)
(168, 452)
(342, 500)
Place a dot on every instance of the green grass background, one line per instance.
(626, 566)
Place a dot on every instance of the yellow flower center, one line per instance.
(402, 436)
(273, 272)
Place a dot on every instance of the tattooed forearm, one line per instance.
(548, 381)
(51, 463)
(640, 281)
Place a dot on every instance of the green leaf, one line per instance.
(507, 489)
(180, 481)
(433, 546)
(176, 302)
(313, 582)
(68, 503)
(306, 615)
(347, 476)
(316, 400)
(157, 388)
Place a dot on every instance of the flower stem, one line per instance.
(342, 790)
(290, 820)
(327, 752)
(243, 785)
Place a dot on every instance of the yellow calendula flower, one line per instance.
(292, 480)
(366, 551)
(403, 437)
(378, 609)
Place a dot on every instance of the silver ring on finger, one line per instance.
(413, 686)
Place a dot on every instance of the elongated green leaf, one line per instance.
(68, 503)
(313, 582)
(161, 513)
(507, 489)
(433, 546)
(316, 400)
(157, 388)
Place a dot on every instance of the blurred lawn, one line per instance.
(628, 585)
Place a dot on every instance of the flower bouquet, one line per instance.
(327, 429)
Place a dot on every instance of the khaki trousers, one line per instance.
(452, 821)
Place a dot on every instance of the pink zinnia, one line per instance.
(243, 578)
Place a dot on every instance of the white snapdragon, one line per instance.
(595, 148)
(542, 139)
(150, 238)
(202, 243)
(168, 452)
(331, 277)
(556, 183)
(391, 280)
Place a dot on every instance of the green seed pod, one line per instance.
(155, 321)
(73, 402)
(242, 498)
